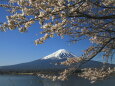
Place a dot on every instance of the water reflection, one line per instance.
(78, 82)
(20, 80)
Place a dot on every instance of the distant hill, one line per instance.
(49, 63)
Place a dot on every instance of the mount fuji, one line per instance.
(60, 54)
(48, 62)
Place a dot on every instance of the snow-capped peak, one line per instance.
(60, 54)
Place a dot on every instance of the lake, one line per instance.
(29, 80)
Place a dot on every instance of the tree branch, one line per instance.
(93, 17)
(98, 5)
(95, 53)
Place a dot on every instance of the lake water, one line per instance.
(28, 80)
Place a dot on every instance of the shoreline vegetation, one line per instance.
(92, 74)
(30, 72)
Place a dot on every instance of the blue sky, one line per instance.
(16, 47)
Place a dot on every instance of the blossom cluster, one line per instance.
(94, 74)
(70, 61)
(75, 18)
(62, 17)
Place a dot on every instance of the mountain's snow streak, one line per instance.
(49, 62)
(60, 54)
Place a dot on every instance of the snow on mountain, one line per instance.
(48, 62)
(60, 54)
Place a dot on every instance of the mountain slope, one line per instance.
(48, 62)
